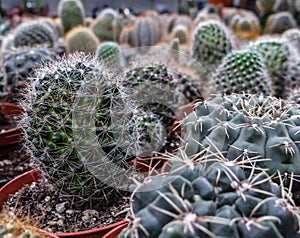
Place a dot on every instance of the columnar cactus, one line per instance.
(71, 13)
(245, 127)
(107, 26)
(76, 120)
(81, 39)
(279, 56)
(242, 71)
(279, 23)
(110, 53)
(19, 64)
(33, 33)
(211, 42)
(217, 201)
(144, 32)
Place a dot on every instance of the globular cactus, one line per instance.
(293, 36)
(206, 14)
(176, 20)
(19, 64)
(246, 127)
(110, 53)
(266, 6)
(107, 26)
(77, 125)
(279, 56)
(242, 71)
(181, 33)
(33, 33)
(144, 32)
(126, 36)
(279, 23)
(219, 200)
(71, 14)
(211, 42)
(81, 39)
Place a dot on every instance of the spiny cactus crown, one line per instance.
(215, 201)
(246, 127)
(77, 120)
(242, 71)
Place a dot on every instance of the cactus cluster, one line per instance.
(219, 200)
(211, 42)
(245, 127)
(242, 71)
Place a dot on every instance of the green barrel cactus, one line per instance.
(279, 55)
(144, 32)
(110, 53)
(19, 64)
(71, 14)
(242, 71)
(107, 26)
(245, 127)
(33, 33)
(215, 201)
(280, 22)
(81, 39)
(77, 125)
(211, 42)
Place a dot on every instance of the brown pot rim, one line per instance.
(33, 175)
(116, 231)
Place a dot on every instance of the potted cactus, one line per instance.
(83, 134)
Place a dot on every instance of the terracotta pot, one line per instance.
(34, 175)
(13, 135)
(116, 231)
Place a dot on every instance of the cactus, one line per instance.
(180, 32)
(220, 200)
(107, 26)
(176, 20)
(19, 64)
(81, 39)
(126, 36)
(245, 127)
(242, 71)
(279, 23)
(62, 98)
(110, 53)
(71, 13)
(144, 32)
(278, 55)
(293, 37)
(33, 33)
(211, 42)
(266, 6)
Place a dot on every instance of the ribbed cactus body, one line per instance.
(182, 33)
(218, 201)
(62, 98)
(19, 64)
(211, 42)
(144, 32)
(279, 56)
(245, 127)
(71, 13)
(279, 23)
(107, 26)
(81, 39)
(243, 71)
(126, 36)
(110, 53)
(33, 33)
